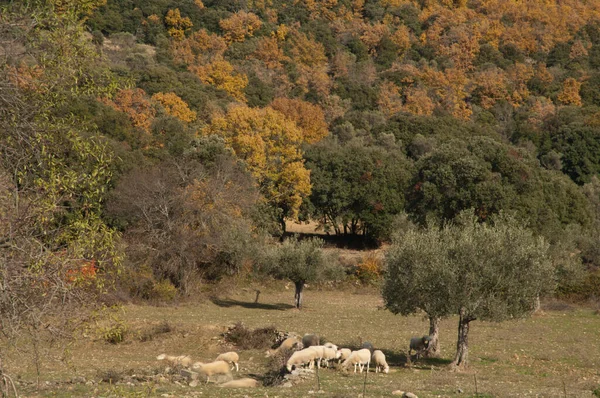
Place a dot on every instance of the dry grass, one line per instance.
(520, 358)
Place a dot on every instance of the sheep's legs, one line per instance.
(355, 367)
(237, 369)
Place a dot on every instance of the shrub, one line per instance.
(156, 330)
(248, 339)
(369, 270)
(115, 332)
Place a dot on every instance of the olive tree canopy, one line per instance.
(494, 272)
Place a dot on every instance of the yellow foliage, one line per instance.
(175, 106)
(570, 92)
(390, 99)
(176, 24)
(370, 268)
(401, 38)
(269, 144)
(240, 25)
(418, 102)
(311, 60)
(310, 118)
(221, 75)
(199, 4)
(269, 52)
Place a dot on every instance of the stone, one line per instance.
(409, 395)
(287, 384)
(397, 392)
(188, 374)
(193, 383)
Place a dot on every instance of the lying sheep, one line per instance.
(182, 360)
(310, 339)
(419, 345)
(302, 357)
(241, 383)
(288, 344)
(358, 358)
(212, 368)
(378, 358)
(230, 357)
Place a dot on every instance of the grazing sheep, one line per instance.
(419, 345)
(212, 368)
(360, 358)
(310, 339)
(288, 344)
(182, 360)
(378, 358)
(241, 383)
(331, 345)
(230, 357)
(325, 354)
(302, 357)
(344, 353)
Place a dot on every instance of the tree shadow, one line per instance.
(227, 303)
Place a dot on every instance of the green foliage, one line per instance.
(300, 261)
(490, 271)
(357, 189)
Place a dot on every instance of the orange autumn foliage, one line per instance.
(569, 94)
(136, 105)
(222, 75)
(176, 24)
(310, 118)
(239, 26)
(175, 106)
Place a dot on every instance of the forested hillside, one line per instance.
(154, 145)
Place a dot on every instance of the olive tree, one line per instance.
(301, 261)
(493, 272)
(417, 279)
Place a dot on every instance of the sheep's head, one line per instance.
(197, 365)
(386, 369)
(161, 357)
(426, 340)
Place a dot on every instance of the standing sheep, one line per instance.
(358, 358)
(302, 357)
(378, 358)
(288, 344)
(344, 353)
(419, 345)
(230, 357)
(212, 369)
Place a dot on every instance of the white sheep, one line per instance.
(212, 368)
(288, 344)
(331, 345)
(419, 345)
(344, 353)
(378, 358)
(302, 357)
(358, 358)
(182, 360)
(230, 357)
(241, 383)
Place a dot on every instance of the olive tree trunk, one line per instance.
(298, 295)
(462, 343)
(433, 350)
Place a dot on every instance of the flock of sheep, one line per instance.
(306, 351)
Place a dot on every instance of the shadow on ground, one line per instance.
(251, 305)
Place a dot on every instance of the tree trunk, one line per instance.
(283, 227)
(433, 351)
(462, 344)
(298, 295)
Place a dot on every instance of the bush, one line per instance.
(370, 269)
(248, 339)
(156, 330)
(114, 333)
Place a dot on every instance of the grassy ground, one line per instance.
(524, 358)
